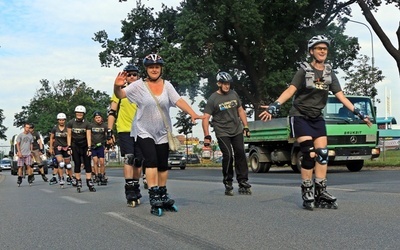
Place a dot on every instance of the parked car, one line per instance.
(5, 164)
(176, 159)
(192, 159)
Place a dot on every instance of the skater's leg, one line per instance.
(227, 164)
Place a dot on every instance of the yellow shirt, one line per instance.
(126, 113)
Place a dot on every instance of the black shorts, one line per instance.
(126, 143)
(154, 155)
(302, 126)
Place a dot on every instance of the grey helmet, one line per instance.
(318, 39)
(224, 77)
(153, 59)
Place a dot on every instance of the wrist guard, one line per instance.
(246, 131)
(274, 108)
(358, 113)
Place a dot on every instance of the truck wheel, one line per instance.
(297, 168)
(355, 166)
(257, 166)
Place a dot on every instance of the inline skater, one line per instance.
(79, 146)
(38, 150)
(99, 136)
(24, 149)
(310, 87)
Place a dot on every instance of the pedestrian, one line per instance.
(59, 148)
(99, 136)
(310, 87)
(153, 96)
(38, 150)
(229, 121)
(122, 113)
(79, 141)
(24, 149)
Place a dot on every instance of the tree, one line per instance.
(361, 79)
(3, 129)
(259, 42)
(366, 7)
(64, 96)
(183, 121)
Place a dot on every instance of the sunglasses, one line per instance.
(131, 74)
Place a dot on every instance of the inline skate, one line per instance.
(228, 188)
(78, 185)
(53, 180)
(323, 199)
(167, 203)
(45, 179)
(30, 179)
(307, 194)
(101, 180)
(90, 185)
(74, 182)
(244, 188)
(61, 181)
(155, 201)
(132, 194)
(19, 181)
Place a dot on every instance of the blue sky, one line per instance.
(51, 40)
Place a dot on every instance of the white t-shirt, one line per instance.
(148, 122)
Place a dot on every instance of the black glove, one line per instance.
(246, 131)
(109, 134)
(274, 108)
(207, 137)
(358, 113)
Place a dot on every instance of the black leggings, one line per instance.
(79, 156)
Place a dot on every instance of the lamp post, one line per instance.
(345, 20)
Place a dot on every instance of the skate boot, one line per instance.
(30, 179)
(130, 194)
(74, 182)
(90, 185)
(19, 181)
(61, 181)
(244, 188)
(155, 201)
(228, 188)
(102, 180)
(78, 185)
(69, 180)
(323, 199)
(145, 185)
(53, 180)
(168, 204)
(45, 179)
(307, 194)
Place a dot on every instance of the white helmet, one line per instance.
(80, 109)
(61, 116)
(318, 39)
(224, 77)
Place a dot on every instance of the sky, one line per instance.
(52, 40)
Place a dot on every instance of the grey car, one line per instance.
(176, 159)
(5, 164)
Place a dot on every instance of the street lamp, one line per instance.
(345, 20)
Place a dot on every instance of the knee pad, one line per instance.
(69, 166)
(129, 159)
(322, 155)
(138, 162)
(61, 164)
(306, 147)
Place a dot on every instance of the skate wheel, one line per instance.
(131, 204)
(157, 211)
(78, 190)
(174, 208)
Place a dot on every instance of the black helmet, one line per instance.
(224, 77)
(31, 125)
(97, 113)
(153, 59)
(131, 67)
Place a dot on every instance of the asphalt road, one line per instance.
(47, 217)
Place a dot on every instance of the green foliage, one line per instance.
(259, 42)
(3, 129)
(361, 79)
(61, 97)
(183, 121)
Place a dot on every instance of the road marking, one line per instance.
(47, 191)
(120, 217)
(75, 200)
(344, 189)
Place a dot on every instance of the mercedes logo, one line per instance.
(353, 140)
